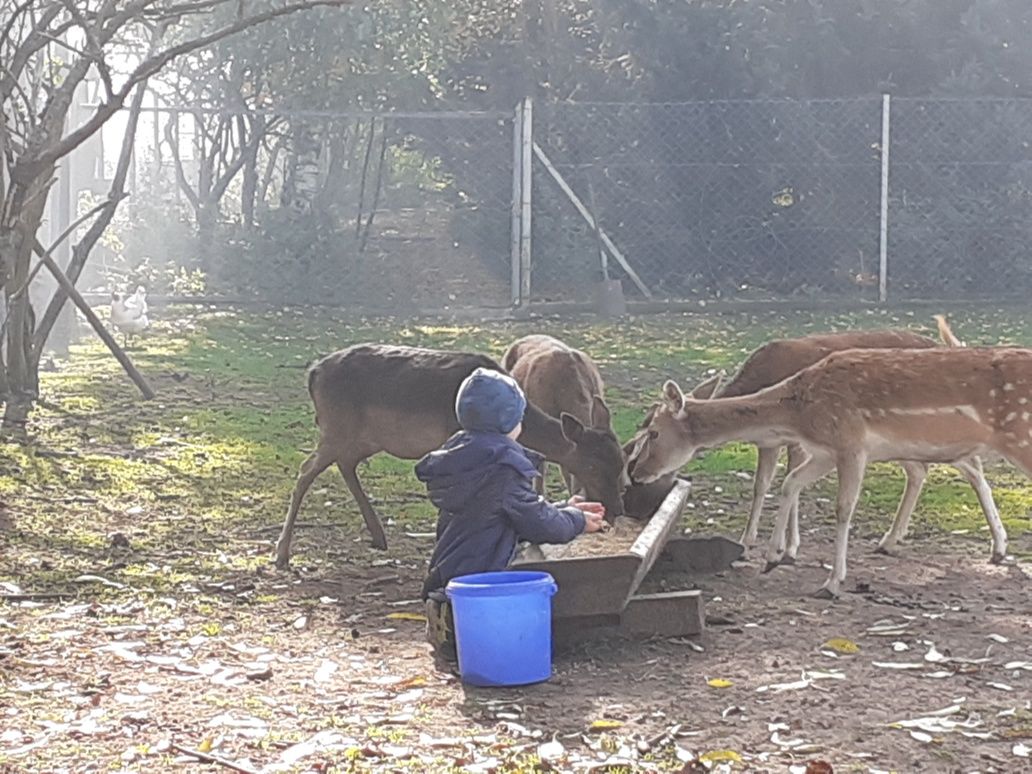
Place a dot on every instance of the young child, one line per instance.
(480, 481)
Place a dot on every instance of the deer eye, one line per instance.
(653, 434)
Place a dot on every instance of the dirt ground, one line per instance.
(342, 680)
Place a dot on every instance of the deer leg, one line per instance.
(916, 473)
(372, 521)
(811, 470)
(850, 467)
(539, 482)
(766, 463)
(971, 468)
(315, 464)
(796, 457)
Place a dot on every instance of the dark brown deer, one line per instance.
(565, 382)
(373, 398)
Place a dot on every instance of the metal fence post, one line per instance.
(883, 235)
(526, 166)
(517, 187)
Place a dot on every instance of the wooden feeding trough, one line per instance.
(599, 576)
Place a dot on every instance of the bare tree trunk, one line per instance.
(24, 211)
(249, 186)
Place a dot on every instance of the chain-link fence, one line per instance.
(960, 214)
(383, 211)
(758, 199)
(713, 199)
(739, 200)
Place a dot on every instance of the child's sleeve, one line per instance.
(538, 521)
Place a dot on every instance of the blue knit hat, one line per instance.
(489, 401)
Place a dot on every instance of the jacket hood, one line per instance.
(462, 468)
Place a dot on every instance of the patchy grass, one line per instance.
(196, 482)
(219, 448)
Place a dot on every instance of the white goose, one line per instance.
(129, 313)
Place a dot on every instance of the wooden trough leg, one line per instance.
(673, 614)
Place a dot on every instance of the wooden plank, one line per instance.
(672, 614)
(579, 205)
(650, 542)
(588, 586)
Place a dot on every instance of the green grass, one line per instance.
(217, 452)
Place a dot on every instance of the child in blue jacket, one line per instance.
(481, 482)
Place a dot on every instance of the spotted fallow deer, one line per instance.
(777, 360)
(561, 380)
(373, 398)
(856, 407)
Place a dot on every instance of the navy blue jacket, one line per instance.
(481, 484)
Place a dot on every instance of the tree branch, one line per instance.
(171, 132)
(145, 70)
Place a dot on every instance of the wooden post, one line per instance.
(98, 326)
(517, 188)
(883, 235)
(526, 166)
(579, 205)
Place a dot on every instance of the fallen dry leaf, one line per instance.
(720, 756)
(719, 682)
(841, 645)
(404, 616)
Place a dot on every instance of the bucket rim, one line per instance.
(501, 583)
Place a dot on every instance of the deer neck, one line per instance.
(544, 434)
(762, 418)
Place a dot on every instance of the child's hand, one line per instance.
(579, 502)
(594, 521)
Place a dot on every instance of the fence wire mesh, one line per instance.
(774, 199)
(390, 211)
(961, 198)
(738, 199)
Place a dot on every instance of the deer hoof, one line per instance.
(998, 558)
(380, 542)
(771, 564)
(824, 593)
(788, 559)
(885, 550)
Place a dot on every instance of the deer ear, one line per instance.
(708, 388)
(673, 396)
(600, 416)
(573, 430)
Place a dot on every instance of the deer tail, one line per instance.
(946, 333)
(313, 375)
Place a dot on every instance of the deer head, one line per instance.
(666, 442)
(597, 462)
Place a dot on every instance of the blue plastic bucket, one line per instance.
(503, 626)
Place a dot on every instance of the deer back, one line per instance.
(777, 360)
